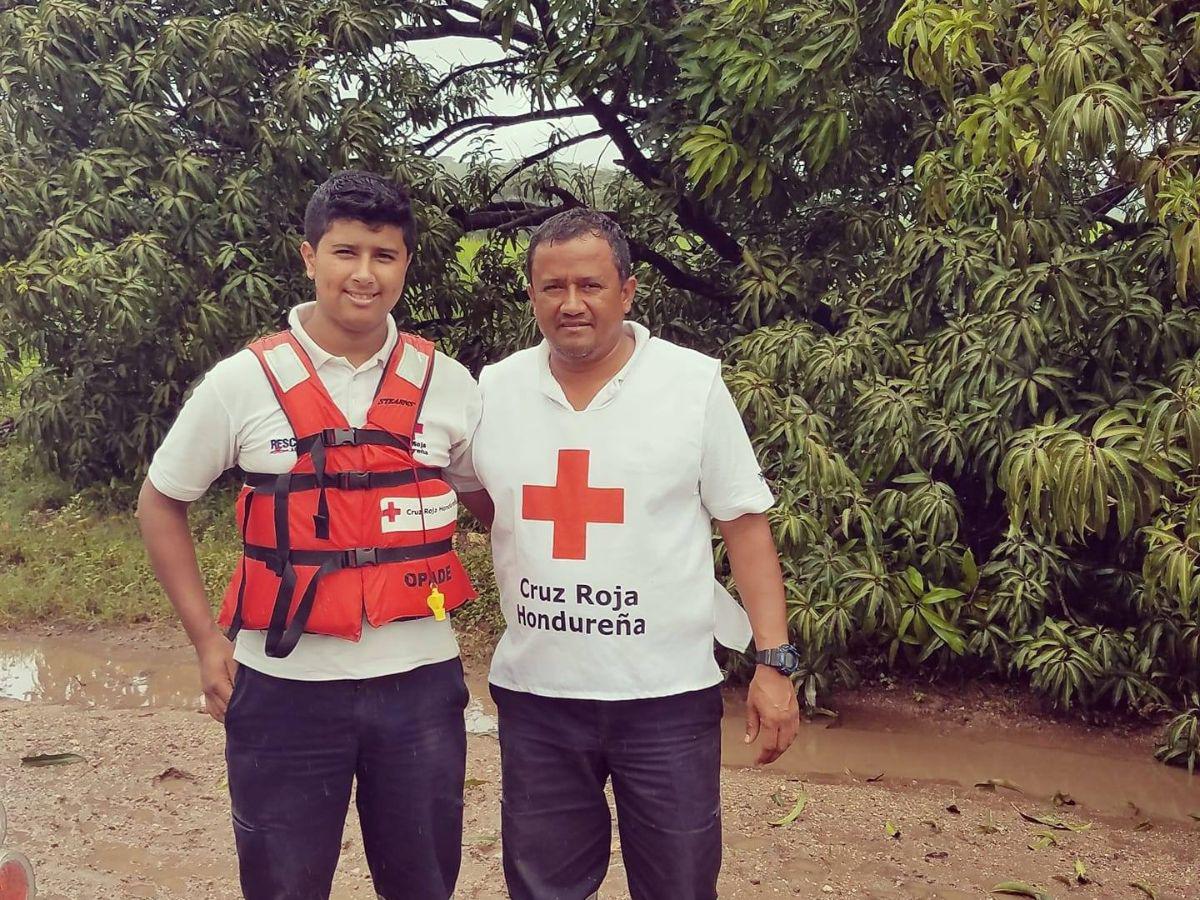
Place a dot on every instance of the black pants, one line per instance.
(293, 749)
(664, 758)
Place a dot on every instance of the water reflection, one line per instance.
(59, 670)
(1108, 777)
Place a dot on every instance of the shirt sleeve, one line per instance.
(460, 472)
(731, 482)
(199, 447)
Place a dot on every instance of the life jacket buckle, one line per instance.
(339, 437)
(354, 481)
(356, 559)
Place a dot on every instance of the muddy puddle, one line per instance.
(1105, 775)
(87, 673)
(1112, 777)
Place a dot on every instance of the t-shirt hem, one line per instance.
(359, 675)
(567, 694)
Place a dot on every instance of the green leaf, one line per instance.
(1020, 889)
(796, 810)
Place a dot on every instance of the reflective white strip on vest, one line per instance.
(286, 366)
(405, 513)
(412, 365)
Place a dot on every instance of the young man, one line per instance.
(607, 454)
(344, 666)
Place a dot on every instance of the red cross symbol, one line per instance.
(391, 512)
(572, 505)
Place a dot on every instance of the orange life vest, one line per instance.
(357, 528)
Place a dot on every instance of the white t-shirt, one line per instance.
(232, 418)
(602, 540)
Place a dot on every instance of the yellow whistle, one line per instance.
(437, 603)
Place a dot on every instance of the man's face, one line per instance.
(358, 271)
(578, 297)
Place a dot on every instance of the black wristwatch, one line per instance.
(785, 658)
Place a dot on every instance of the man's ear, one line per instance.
(309, 253)
(529, 292)
(627, 291)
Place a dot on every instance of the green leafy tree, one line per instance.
(951, 250)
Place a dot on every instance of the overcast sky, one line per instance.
(515, 141)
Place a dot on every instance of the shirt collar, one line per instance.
(551, 388)
(321, 356)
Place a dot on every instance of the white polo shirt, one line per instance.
(233, 419)
(602, 541)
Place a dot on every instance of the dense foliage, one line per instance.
(952, 250)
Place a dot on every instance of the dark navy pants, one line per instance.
(664, 758)
(293, 749)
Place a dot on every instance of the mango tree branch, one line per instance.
(479, 122)
(479, 25)
(531, 161)
(455, 74)
(690, 212)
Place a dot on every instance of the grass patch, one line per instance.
(77, 557)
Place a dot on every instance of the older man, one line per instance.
(608, 454)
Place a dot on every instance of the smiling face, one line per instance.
(579, 298)
(358, 271)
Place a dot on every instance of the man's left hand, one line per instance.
(773, 712)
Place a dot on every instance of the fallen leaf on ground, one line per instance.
(474, 782)
(1042, 840)
(1145, 889)
(1052, 821)
(1081, 872)
(990, 826)
(1020, 889)
(892, 830)
(52, 759)
(173, 774)
(992, 783)
(480, 840)
(791, 817)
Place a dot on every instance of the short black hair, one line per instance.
(576, 222)
(363, 197)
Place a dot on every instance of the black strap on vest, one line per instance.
(282, 636)
(315, 444)
(263, 483)
(235, 623)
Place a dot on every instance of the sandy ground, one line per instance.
(147, 815)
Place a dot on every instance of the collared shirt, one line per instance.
(602, 539)
(233, 419)
(549, 385)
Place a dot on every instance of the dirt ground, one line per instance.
(146, 815)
